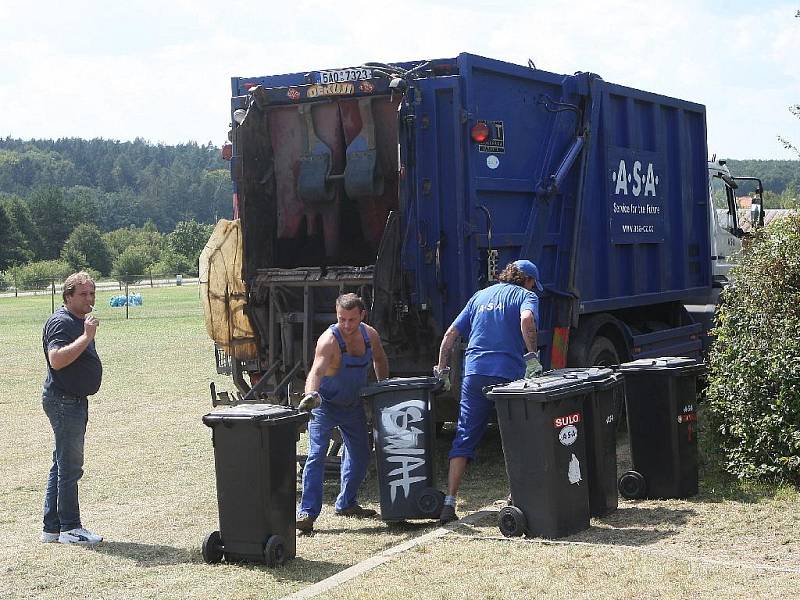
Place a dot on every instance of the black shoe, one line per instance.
(305, 523)
(357, 511)
(448, 514)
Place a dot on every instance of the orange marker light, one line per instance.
(480, 133)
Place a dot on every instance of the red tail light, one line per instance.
(480, 132)
(227, 151)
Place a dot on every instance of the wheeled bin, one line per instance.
(254, 456)
(542, 426)
(404, 432)
(661, 403)
(601, 410)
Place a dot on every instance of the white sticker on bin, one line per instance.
(574, 471)
(568, 435)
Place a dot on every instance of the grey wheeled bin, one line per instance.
(661, 403)
(601, 410)
(542, 426)
(404, 429)
(254, 456)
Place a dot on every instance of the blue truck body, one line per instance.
(450, 169)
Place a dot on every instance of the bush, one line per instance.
(172, 263)
(39, 275)
(131, 265)
(754, 377)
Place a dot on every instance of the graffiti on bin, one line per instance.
(403, 445)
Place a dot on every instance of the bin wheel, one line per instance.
(632, 485)
(275, 551)
(430, 502)
(512, 521)
(212, 548)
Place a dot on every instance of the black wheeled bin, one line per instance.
(404, 432)
(542, 426)
(661, 402)
(254, 454)
(601, 410)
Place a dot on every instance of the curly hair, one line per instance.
(350, 301)
(73, 281)
(512, 274)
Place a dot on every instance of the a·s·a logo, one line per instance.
(634, 180)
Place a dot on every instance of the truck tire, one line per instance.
(602, 353)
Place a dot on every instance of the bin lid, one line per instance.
(584, 373)
(663, 363)
(549, 385)
(394, 384)
(262, 413)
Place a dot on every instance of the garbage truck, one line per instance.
(414, 183)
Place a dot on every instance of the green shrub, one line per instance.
(131, 265)
(754, 373)
(39, 275)
(172, 263)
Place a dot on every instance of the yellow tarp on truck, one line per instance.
(223, 292)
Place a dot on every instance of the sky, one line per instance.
(160, 69)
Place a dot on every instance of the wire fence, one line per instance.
(53, 287)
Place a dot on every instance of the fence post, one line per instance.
(126, 299)
(16, 287)
(151, 276)
(52, 296)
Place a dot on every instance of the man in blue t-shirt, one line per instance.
(74, 372)
(500, 324)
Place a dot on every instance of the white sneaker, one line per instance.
(79, 535)
(48, 538)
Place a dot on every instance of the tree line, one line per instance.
(781, 180)
(104, 204)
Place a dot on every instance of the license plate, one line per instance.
(342, 75)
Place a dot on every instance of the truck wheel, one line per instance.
(275, 551)
(512, 522)
(212, 548)
(602, 353)
(632, 485)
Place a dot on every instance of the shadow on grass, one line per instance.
(627, 516)
(379, 527)
(146, 555)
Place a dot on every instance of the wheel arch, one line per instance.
(590, 327)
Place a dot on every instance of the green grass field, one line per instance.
(149, 489)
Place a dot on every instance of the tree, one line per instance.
(132, 265)
(13, 249)
(189, 239)
(20, 215)
(86, 247)
(53, 220)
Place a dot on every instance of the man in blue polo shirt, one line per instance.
(74, 372)
(500, 324)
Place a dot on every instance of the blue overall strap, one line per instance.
(343, 387)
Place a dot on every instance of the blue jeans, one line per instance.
(473, 414)
(352, 423)
(68, 417)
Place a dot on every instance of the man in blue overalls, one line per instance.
(341, 362)
(500, 325)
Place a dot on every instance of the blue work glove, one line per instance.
(442, 375)
(533, 368)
